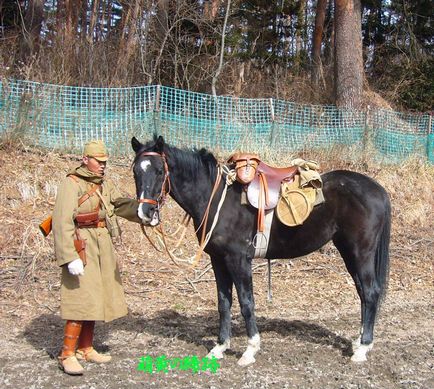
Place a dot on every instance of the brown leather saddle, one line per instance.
(263, 182)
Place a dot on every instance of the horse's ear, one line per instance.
(136, 145)
(159, 144)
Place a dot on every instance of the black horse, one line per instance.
(356, 216)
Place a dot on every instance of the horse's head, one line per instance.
(152, 179)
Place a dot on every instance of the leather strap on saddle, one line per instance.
(262, 201)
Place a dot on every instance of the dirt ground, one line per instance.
(306, 331)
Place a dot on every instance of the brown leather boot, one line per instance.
(85, 351)
(67, 359)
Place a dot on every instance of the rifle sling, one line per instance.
(88, 194)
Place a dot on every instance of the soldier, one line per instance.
(91, 288)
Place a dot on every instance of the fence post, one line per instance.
(430, 140)
(273, 129)
(156, 114)
(367, 135)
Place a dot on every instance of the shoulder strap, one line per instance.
(88, 194)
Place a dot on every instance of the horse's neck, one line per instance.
(191, 193)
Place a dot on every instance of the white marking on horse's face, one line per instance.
(155, 219)
(144, 165)
(140, 213)
(145, 219)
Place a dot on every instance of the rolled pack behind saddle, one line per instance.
(292, 191)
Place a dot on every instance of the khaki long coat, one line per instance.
(98, 294)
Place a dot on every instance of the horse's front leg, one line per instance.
(241, 271)
(224, 294)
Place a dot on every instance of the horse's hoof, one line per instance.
(218, 350)
(360, 353)
(358, 358)
(245, 361)
(215, 354)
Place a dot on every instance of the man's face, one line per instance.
(95, 166)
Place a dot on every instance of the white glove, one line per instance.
(75, 267)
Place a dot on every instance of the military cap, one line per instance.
(96, 149)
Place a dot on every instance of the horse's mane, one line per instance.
(191, 160)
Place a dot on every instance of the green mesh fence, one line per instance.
(62, 117)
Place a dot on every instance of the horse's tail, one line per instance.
(382, 252)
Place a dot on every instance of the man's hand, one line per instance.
(75, 267)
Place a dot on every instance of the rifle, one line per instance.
(46, 226)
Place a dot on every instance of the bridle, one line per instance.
(165, 186)
(162, 198)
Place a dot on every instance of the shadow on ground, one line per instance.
(46, 331)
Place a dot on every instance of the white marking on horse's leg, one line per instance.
(360, 352)
(356, 343)
(253, 346)
(144, 165)
(218, 350)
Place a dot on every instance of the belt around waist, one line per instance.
(99, 224)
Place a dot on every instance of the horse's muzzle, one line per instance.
(150, 217)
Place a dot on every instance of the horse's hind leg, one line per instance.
(224, 292)
(369, 295)
(360, 263)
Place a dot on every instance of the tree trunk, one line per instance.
(92, 22)
(128, 39)
(299, 33)
(317, 41)
(71, 21)
(348, 54)
(210, 9)
(162, 22)
(83, 19)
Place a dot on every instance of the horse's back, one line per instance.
(353, 187)
(351, 177)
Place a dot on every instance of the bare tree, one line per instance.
(222, 49)
(348, 54)
(317, 39)
(128, 41)
(33, 19)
